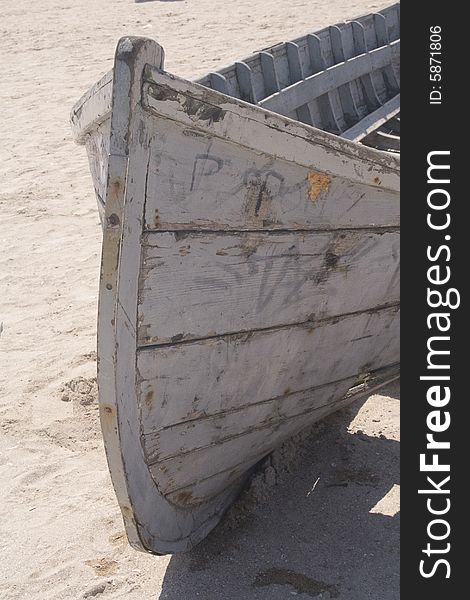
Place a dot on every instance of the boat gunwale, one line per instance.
(376, 162)
(92, 108)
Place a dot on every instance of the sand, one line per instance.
(321, 519)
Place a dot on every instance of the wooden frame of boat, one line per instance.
(249, 279)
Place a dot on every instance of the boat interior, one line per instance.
(343, 79)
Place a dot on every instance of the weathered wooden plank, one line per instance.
(333, 78)
(205, 432)
(252, 441)
(229, 283)
(392, 20)
(262, 131)
(329, 106)
(97, 147)
(374, 120)
(219, 83)
(195, 182)
(245, 82)
(296, 74)
(268, 67)
(152, 523)
(388, 72)
(371, 43)
(370, 92)
(92, 109)
(205, 487)
(349, 94)
(181, 471)
(184, 381)
(349, 51)
(278, 51)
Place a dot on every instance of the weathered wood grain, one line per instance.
(93, 108)
(268, 68)
(249, 267)
(303, 113)
(209, 431)
(231, 456)
(373, 97)
(374, 120)
(197, 285)
(389, 74)
(245, 82)
(329, 105)
(262, 131)
(199, 489)
(181, 381)
(198, 182)
(349, 94)
(333, 78)
(278, 51)
(272, 380)
(152, 523)
(97, 147)
(219, 83)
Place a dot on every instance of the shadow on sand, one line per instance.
(308, 543)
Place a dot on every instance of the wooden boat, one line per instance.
(249, 278)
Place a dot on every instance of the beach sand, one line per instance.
(321, 520)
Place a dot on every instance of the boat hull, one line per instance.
(249, 286)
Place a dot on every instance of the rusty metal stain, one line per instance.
(317, 182)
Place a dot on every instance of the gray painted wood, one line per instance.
(374, 120)
(216, 184)
(268, 67)
(152, 522)
(333, 78)
(371, 94)
(215, 283)
(264, 131)
(97, 147)
(376, 76)
(348, 93)
(296, 74)
(278, 52)
(245, 82)
(219, 83)
(234, 243)
(348, 51)
(329, 106)
(389, 74)
(209, 382)
(203, 488)
(93, 108)
(204, 433)
(186, 380)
